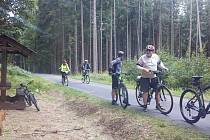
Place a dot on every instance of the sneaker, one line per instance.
(158, 107)
(145, 109)
(114, 103)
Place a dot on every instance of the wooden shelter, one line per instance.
(9, 46)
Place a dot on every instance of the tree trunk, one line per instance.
(62, 33)
(90, 49)
(115, 36)
(172, 27)
(127, 35)
(208, 33)
(82, 33)
(111, 39)
(189, 46)
(199, 27)
(95, 51)
(75, 47)
(107, 52)
(160, 27)
(101, 40)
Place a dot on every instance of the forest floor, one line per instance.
(70, 119)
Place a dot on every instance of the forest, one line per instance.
(97, 29)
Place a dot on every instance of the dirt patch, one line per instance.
(72, 119)
(82, 109)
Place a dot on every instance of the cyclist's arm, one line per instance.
(140, 65)
(116, 61)
(162, 66)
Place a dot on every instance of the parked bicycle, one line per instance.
(122, 92)
(28, 95)
(166, 99)
(65, 79)
(86, 77)
(192, 103)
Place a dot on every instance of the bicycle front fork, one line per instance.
(207, 108)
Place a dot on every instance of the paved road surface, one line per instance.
(104, 91)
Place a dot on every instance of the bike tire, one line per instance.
(139, 96)
(27, 100)
(87, 79)
(190, 106)
(123, 96)
(166, 100)
(83, 79)
(34, 101)
(63, 81)
(67, 81)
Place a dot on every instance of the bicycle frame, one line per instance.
(200, 92)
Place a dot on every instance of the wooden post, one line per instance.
(4, 74)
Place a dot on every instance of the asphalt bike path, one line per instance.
(104, 91)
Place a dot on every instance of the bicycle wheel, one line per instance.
(83, 79)
(139, 96)
(67, 81)
(63, 80)
(166, 100)
(34, 101)
(123, 95)
(87, 79)
(27, 100)
(190, 105)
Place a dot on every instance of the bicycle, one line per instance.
(192, 100)
(122, 93)
(28, 95)
(65, 79)
(166, 98)
(85, 77)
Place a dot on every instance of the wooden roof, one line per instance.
(12, 46)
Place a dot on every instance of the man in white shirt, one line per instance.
(147, 63)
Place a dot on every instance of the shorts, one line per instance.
(115, 81)
(147, 83)
(64, 74)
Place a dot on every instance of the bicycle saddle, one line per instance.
(196, 78)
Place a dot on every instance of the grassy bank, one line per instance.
(152, 127)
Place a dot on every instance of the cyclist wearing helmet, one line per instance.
(116, 71)
(64, 68)
(148, 62)
(85, 67)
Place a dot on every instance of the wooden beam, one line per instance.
(4, 74)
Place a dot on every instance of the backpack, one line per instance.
(110, 69)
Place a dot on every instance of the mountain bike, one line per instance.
(28, 95)
(166, 98)
(65, 80)
(85, 77)
(192, 103)
(122, 92)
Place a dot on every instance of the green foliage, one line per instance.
(129, 67)
(17, 75)
(182, 69)
(17, 71)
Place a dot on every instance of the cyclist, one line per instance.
(85, 68)
(64, 68)
(147, 63)
(116, 65)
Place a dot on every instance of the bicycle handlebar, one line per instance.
(158, 72)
